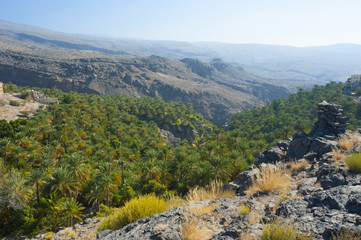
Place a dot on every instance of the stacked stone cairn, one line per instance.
(330, 122)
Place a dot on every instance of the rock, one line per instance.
(271, 155)
(331, 176)
(308, 186)
(104, 233)
(325, 211)
(169, 137)
(283, 144)
(242, 182)
(299, 146)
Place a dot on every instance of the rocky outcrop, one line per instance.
(321, 140)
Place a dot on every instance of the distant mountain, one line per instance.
(216, 89)
(248, 74)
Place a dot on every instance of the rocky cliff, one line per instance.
(323, 197)
(215, 89)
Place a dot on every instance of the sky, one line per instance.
(281, 22)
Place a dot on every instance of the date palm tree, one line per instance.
(36, 178)
(62, 183)
(72, 209)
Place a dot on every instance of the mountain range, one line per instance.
(218, 79)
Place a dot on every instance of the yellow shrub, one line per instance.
(280, 230)
(136, 208)
(353, 162)
(244, 210)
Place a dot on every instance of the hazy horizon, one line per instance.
(280, 22)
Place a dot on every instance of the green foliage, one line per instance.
(282, 117)
(75, 150)
(155, 187)
(280, 230)
(72, 209)
(25, 95)
(143, 206)
(353, 162)
(6, 130)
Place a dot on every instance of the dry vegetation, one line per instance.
(254, 217)
(297, 166)
(269, 178)
(212, 191)
(344, 154)
(193, 227)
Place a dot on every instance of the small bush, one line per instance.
(244, 210)
(270, 177)
(14, 103)
(280, 230)
(136, 208)
(353, 162)
(26, 95)
(210, 192)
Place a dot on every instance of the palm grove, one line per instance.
(89, 151)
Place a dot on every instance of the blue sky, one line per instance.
(283, 22)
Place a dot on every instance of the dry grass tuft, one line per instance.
(339, 155)
(192, 228)
(202, 210)
(350, 141)
(345, 144)
(210, 192)
(297, 166)
(355, 139)
(254, 217)
(245, 236)
(269, 178)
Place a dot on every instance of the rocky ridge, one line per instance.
(216, 89)
(324, 197)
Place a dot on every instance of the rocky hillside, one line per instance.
(215, 89)
(317, 195)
